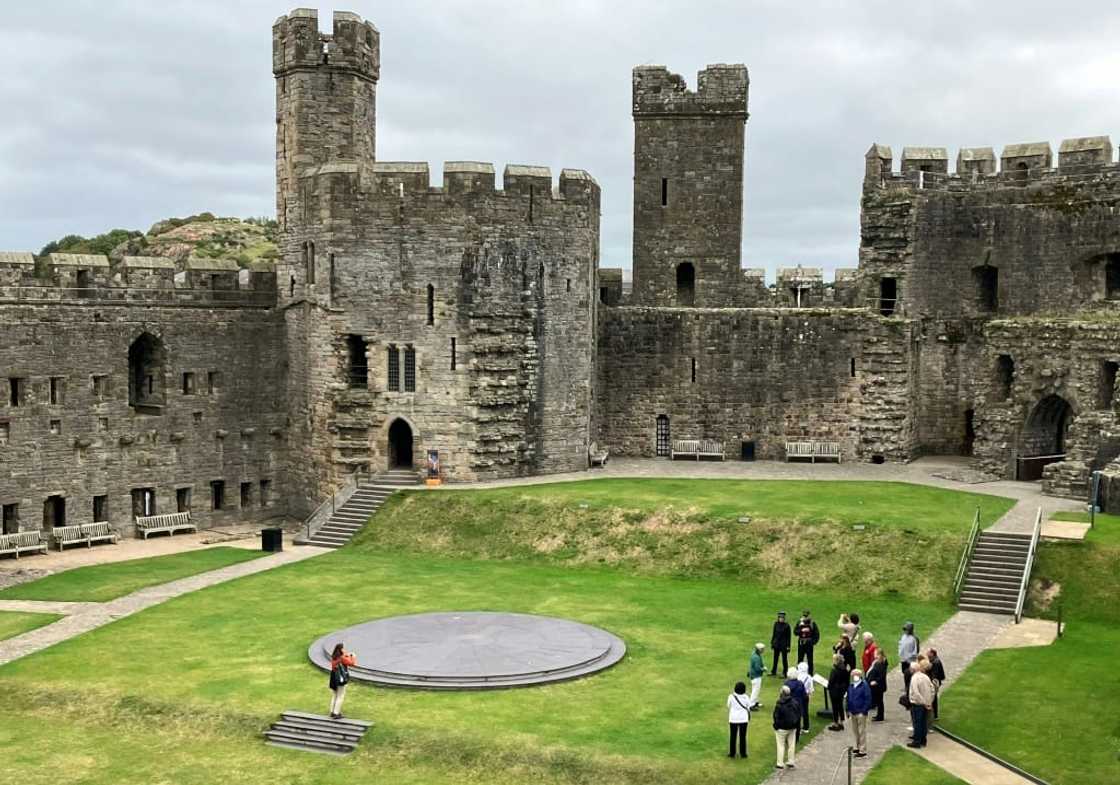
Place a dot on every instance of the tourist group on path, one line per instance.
(855, 687)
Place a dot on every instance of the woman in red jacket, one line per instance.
(341, 662)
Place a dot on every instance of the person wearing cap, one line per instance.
(779, 643)
(757, 668)
(907, 651)
(808, 635)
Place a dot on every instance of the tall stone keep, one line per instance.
(688, 186)
(326, 91)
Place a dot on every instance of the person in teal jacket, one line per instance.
(757, 668)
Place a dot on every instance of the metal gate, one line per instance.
(663, 436)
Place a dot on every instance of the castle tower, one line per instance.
(326, 88)
(688, 186)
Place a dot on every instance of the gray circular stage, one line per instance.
(471, 650)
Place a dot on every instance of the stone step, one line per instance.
(981, 581)
(302, 740)
(992, 598)
(999, 561)
(328, 542)
(988, 547)
(293, 714)
(985, 608)
(351, 517)
(305, 747)
(318, 731)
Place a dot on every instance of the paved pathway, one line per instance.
(95, 614)
(969, 766)
(957, 641)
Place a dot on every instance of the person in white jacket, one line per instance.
(806, 682)
(738, 717)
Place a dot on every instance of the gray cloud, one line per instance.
(121, 112)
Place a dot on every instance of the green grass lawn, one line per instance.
(1106, 528)
(104, 582)
(1058, 721)
(800, 535)
(902, 767)
(181, 692)
(13, 623)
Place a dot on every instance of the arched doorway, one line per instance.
(400, 445)
(1043, 438)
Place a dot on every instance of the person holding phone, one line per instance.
(341, 662)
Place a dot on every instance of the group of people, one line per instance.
(855, 688)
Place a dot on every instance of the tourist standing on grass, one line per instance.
(921, 702)
(341, 662)
(780, 642)
(757, 668)
(787, 725)
(936, 675)
(859, 704)
(807, 683)
(844, 648)
(907, 651)
(808, 635)
(797, 690)
(869, 649)
(738, 717)
(837, 688)
(877, 681)
(849, 625)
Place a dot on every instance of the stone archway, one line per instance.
(1042, 440)
(400, 444)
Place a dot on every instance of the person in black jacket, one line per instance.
(936, 675)
(780, 642)
(837, 689)
(845, 650)
(877, 681)
(808, 635)
(787, 721)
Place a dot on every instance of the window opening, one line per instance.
(292, 286)
(969, 430)
(888, 295)
(56, 391)
(213, 379)
(358, 364)
(102, 423)
(852, 367)
(1005, 374)
(686, 284)
(330, 274)
(431, 304)
(309, 258)
(83, 283)
(15, 392)
(663, 445)
(1112, 277)
(265, 490)
(146, 357)
(5, 432)
(603, 295)
(182, 499)
(394, 369)
(217, 494)
(55, 427)
(409, 369)
(532, 193)
(11, 518)
(246, 494)
(453, 358)
(1108, 385)
(100, 509)
(567, 284)
(143, 501)
(188, 383)
(986, 279)
(694, 370)
(54, 512)
(664, 191)
(100, 386)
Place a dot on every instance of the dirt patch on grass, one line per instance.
(1044, 592)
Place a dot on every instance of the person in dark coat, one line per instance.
(936, 675)
(797, 690)
(780, 642)
(844, 648)
(808, 635)
(837, 689)
(787, 727)
(877, 681)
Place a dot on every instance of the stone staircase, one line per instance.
(315, 733)
(995, 573)
(367, 499)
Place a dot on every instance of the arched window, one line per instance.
(686, 284)
(146, 360)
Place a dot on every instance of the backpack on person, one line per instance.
(340, 676)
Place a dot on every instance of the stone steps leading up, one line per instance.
(995, 573)
(316, 733)
(348, 519)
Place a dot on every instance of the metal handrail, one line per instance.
(1027, 567)
(969, 546)
(324, 511)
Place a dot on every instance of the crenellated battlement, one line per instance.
(976, 167)
(722, 89)
(354, 45)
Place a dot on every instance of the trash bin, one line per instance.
(272, 540)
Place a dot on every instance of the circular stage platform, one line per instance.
(471, 650)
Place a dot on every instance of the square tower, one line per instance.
(688, 186)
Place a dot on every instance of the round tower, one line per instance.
(326, 89)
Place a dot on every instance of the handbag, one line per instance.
(904, 701)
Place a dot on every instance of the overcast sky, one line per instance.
(118, 113)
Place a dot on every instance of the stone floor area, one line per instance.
(967, 765)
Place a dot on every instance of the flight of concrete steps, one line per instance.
(367, 500)
(995, 573)
(315, 733)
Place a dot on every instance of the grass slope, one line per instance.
(13, 623)
(225, 661)
(800, 534)
(104, 582)
(900, 766)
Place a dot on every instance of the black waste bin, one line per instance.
(272, 540)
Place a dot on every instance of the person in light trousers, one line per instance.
(859, 704)
(787, 722)
(341, 662)
(757, 668)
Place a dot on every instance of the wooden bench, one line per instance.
(595, 456)
(697, 449)
(170, 523)
(84, 533)
(23, 542)
(814, 451)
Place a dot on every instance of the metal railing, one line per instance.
(969, 546)
(1027, 567)
(324, 511)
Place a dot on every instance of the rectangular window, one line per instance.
(358, 370)
(188, 383)
(5, 432)
(1005, 375)
(431, 304)
(100, 509)
(888, 296)
(11, 518)
(453, 359)
(265, 491)
(330, 274)
(182, 500)
(143, 501)
(197, 417)
(852, 367)
(100, 386)
(664, 191)
(409, 369)
(567, 284)
(309, 254)
(1108, 385)
(217, 494)
(54, 512)
(15, 392)
(56, 390)
(246, 494)
(55, 427)
(394, 369)
(102, 423)
(694, 370)
(213, 379)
